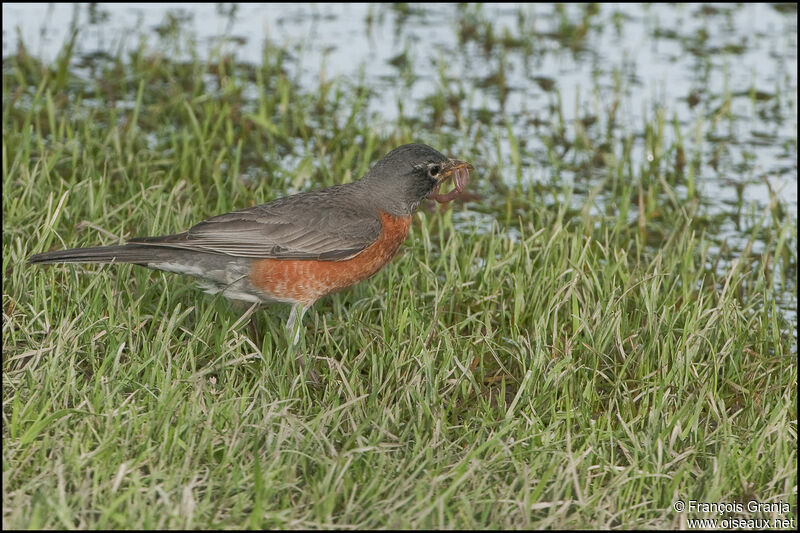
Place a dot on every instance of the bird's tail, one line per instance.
(217, 272)
(128, 253)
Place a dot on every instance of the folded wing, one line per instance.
(298, 227)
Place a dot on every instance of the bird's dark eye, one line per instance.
(434, 171)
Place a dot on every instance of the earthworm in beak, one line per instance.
(459, 170)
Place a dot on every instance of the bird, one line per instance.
(299, 248)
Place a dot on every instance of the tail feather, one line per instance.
(218, 272)
(129, 253)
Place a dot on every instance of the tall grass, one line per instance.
(531, 359)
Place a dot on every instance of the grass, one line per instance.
(532, 359)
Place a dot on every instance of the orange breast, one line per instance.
(297, 280)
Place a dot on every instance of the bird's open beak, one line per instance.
(459, 170)
(450, 168)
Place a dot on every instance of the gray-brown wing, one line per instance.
(289, 228)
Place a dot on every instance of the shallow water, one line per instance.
(671, 57)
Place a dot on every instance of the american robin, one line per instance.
(298, 248)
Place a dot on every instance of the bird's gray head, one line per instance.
(407, 175)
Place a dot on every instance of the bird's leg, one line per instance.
(293, 327)
(295, 322)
